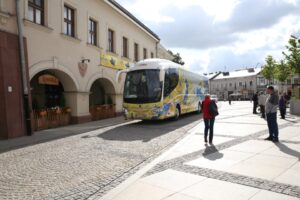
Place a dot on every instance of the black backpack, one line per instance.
(213, 109)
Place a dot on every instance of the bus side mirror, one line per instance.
(119, 74)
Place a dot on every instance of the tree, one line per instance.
(293, 57)
(282, 71)
(176, 58)
(268, 70)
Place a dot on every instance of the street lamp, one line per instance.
(257, 64)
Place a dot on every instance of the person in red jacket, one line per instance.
(209, 118)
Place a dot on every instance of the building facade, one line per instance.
(240, 84)
(163, 53)
(74, 50)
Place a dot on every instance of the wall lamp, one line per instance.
(83, 60)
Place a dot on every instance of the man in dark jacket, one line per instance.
(282, 106)
(255, 102)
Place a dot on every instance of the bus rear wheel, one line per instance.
(177, 113)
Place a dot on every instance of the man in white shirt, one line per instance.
(262, 103)
(271, 112)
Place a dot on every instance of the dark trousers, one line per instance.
(272, 125)
(262, 110)
(282, 112)
(255, 103)
(209, 125)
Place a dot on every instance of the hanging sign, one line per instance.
(114, 62)
(48, 79)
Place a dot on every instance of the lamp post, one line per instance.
(257, 64)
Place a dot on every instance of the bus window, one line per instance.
(171, 81)
(142, 86)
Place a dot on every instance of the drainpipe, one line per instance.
(26, 103)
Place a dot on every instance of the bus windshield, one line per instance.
(142, 86)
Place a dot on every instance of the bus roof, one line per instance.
(156, 63)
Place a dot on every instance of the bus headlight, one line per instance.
(157, 111)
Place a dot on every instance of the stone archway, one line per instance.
(102, 99)
(50, 106)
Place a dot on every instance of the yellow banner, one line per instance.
(113, 62)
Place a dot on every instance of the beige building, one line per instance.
(75, 48)
(241, 83)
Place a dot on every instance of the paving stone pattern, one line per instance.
(86, 165)
(178, 164)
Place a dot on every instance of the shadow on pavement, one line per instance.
(285, 149)
(148, 130)
(212, 153)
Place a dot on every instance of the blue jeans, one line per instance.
(272, 125)
(209, 125)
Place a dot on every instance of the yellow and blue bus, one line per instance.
(157, 89)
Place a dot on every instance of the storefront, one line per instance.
(48, 102)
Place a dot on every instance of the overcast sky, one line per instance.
(218, 35)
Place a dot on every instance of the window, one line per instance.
(36, 11)
(230, 84)
(240, 84)
(152, 55)
(136, 52)
(69, 21)
(92, 32)
(171, 81)
(145, 53)
(143, 86)
(111, 41)
(125, 47)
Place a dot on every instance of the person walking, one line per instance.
(255, 102)
(229, 100)
(282, 106)
(262, 104)
(271, 113)
(210, 110)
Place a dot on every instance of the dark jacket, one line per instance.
(255, 98)
(282, 102)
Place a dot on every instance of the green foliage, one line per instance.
(293, 55)
(176, 58)
(282, 71)
(268, 70)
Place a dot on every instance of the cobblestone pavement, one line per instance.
(89, 164)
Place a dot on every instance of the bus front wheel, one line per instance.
(199, 110)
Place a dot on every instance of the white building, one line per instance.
(240, 82)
